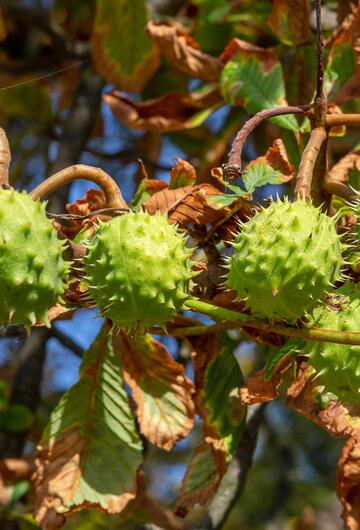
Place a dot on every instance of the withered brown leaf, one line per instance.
(181, 50)
(348, 482)
(335, 418)
(186, 205)
(258, 390)
(182, 174)
(161, 391)
(267, 57)
(171, 112)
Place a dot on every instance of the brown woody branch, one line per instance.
(233, 167)
(310, 155)
(320, 55)
(114, 198)
(5, 158)
(335, 120)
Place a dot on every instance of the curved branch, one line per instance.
(341, 190)
(233, 168)
(114, 198)
(310, 155)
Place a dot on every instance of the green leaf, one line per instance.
(141, 195)
(17, 418)
(246, 80)
(220, 201)
(19, 489)
(225, 414)
(201, 479)
(123, 53)
(259, 174)
(291, 347)
(90, 450)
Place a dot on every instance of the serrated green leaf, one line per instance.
(244, 79)
(123, 53)
(291, 347)
(260, 174)
(90, 450)
(225, 414)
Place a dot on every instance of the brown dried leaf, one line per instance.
(267, 58)
(257, 390)
(182, 174)
(171, 112)
(348, 482)
(340, 172)
(152, 186)
(335, 418)
(290, 21)
(161, 391)
(93, 200)
(186, 205)
(183, 51)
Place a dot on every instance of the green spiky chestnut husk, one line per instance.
(138, 270)
(338, 365)
(285, 259)
(356, 209)
(32, 270)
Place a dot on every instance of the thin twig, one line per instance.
(74, 217)
(320, 54)
(234, 319)
(310, 155)
(349, 120)
(233, 167)
(114, 198)
(67, 341)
